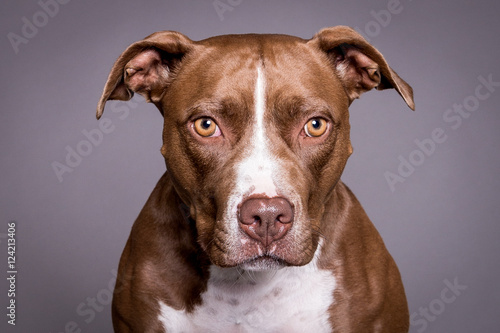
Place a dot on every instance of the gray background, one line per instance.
(440, 224)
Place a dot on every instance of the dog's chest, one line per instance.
(289, 300)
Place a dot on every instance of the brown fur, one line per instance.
(179, 232)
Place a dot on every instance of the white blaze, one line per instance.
(255, 172)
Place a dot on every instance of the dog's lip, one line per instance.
(263, 262)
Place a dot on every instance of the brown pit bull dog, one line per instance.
(250, 228)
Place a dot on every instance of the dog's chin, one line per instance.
(263, 263)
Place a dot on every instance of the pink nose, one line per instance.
(266, 219)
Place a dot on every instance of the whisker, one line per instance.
(320, 233)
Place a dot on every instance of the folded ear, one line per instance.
(145, 67)
(358, 64)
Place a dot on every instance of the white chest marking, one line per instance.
(292, 300)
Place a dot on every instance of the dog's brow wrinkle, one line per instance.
(204, 106)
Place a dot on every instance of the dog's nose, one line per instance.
(266, 219)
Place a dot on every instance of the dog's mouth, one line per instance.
(263, 263)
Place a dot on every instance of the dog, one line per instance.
(250, 229)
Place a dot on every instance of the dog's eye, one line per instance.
(206, 127)
(315, 127)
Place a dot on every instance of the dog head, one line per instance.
(256, 131)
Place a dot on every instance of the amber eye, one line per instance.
(315, 127)
(206, 127)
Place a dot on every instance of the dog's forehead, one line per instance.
(226, 68)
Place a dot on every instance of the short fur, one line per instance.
(190, 240)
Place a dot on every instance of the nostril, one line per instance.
(284, 219)
(248, 220)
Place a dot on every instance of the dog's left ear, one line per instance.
(146, 67)
(359, 65)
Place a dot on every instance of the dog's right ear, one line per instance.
(145, 67)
